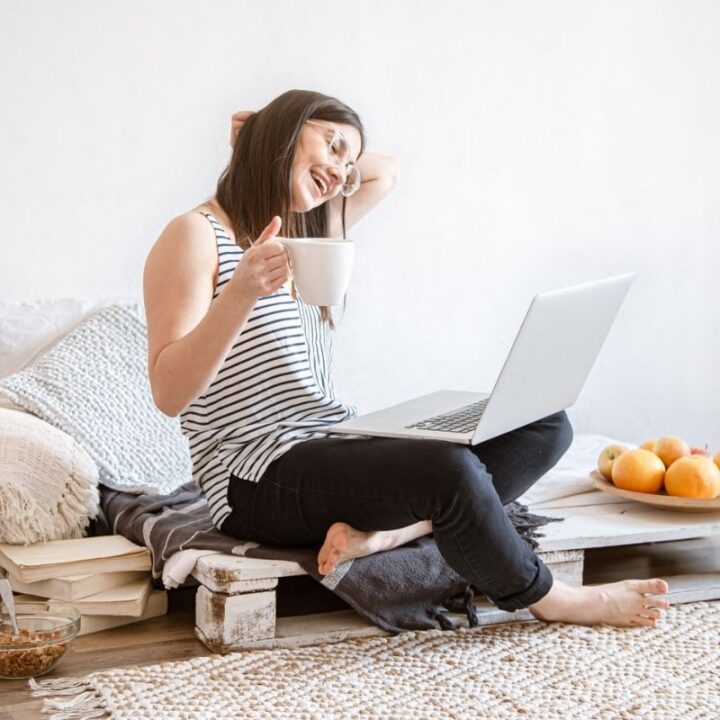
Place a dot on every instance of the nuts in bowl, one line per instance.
(44, 637)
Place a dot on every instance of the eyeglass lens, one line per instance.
(341, 151)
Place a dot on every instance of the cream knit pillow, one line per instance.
(48, 483)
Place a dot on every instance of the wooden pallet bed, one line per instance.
(236, 599)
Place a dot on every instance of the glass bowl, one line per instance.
(45, 635)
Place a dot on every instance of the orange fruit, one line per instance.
(695, 476)
(716, 459)
(607, 458)
(648, 445)
(638, 470)
(669, 448)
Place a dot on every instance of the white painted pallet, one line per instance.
(626, 523)
(236, 602)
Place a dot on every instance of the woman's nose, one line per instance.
(337, 173)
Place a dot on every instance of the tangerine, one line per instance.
(638, 470)
(669, 448)
(695, 476)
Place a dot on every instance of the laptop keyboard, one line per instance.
(462, 420)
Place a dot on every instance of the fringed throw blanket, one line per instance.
(408, 588)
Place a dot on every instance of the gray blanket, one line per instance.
(408, 588)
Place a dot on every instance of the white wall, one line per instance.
(541, 144)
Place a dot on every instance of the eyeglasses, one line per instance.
(339, 153)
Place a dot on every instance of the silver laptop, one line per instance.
(549, 361)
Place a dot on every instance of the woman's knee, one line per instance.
(455, 473)
(558, 432)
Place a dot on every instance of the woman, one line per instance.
(247, 367)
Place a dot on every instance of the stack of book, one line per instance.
(107, 578)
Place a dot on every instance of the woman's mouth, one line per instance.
(319, 183)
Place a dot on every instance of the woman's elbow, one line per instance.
(163, 400)
(391, 171)
(164, 406)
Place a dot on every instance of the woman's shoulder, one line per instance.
(199, 225)
(193, 223)
(187, 237)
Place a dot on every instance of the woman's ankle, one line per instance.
(551, 606)
(390, 539)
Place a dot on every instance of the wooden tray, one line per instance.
(661, 499)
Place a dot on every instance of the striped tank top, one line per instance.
(273, 390)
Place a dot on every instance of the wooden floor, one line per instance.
(172, 637)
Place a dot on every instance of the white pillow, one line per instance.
(48, 483)
(30, 329)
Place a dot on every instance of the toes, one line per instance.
(322, 555)
(655, 586)
(651, 613)
(658, 603)
(659, 586)
(335, 543)
(644, 621)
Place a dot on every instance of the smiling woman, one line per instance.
(247, 367)
(243, 361)
(289, 160)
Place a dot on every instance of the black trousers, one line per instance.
(388, 483)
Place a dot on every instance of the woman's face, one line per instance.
(316, 174)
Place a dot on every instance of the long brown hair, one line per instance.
(256, 184)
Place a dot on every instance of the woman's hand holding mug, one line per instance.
(264, 267)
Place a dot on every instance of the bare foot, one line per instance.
(344, 542)
(623, 604)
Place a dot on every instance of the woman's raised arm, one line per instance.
(378, 174)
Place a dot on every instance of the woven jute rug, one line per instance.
(519, 670)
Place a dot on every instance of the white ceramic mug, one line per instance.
(321, 268)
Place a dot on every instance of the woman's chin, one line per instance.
(298, 209)
(306, 204)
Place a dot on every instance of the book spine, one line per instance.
(85, 567)
(157, 605)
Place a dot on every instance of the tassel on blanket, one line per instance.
(470, 609)
(526, 522)
(74, 698)
(459, 603)
(444, 622)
